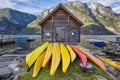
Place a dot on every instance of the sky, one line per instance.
(37, 6)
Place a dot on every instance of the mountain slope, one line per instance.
(97, 18)
(13, 21)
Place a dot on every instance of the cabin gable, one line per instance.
(60, 26)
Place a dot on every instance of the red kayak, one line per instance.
(82, 57)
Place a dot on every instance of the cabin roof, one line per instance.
(65, 9)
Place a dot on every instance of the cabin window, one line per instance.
(47, 34)
(74, 32)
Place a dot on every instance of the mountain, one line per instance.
(13, 21)
(97, 18)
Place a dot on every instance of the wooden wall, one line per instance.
(59, 26)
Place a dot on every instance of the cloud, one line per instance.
(22, 5)
(30, 10)
(104, 2)
(6, 3)
(71, 0)
(116, 9)
(36, 6)
(107, 2)
(22, 0)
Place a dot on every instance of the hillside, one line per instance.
(97, 18)
(13, 21)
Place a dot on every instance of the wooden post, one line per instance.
(68, 31)
(52, 29)
(42, 33)
(0, 41)
(9, 41)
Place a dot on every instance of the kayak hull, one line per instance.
(48, 55)
(38, 64)
(81, 56)
(93, 59)
(55, 59)
(31, 58)
(114, 64)
(72, 54)
(65, 58)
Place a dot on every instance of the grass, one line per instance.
(73, 73)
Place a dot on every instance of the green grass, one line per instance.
(73, 73)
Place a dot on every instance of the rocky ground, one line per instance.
(110, 69)
(9, 62)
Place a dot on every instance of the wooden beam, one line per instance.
(42, 34)
(68, 29)
(79, 32)
(52, 28)
(79, 35)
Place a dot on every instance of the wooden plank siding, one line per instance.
(58, 27)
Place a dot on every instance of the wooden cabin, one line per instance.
(60, 25)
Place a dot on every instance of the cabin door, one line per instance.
(60, 37)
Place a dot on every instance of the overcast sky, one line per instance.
(37, 6)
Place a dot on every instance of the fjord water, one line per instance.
(20, 48)
(21, 41)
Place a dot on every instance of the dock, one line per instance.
(7, 40)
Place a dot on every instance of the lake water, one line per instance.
(21, 41)
(22, 44)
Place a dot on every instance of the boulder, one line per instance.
(5, 72)
(89, 67)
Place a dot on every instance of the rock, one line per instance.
(13, 65)
(10, 51)
(88, 68)
(112, 70)
(117, 76)
(5, 72)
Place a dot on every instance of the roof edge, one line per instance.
(60, 5)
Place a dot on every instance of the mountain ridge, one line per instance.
(93, 15)
(13, 21)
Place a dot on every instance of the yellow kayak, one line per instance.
(30, 54)
(65, 57)
(55, 58)
(31, 58)
(38, 64)
(48, 55)
(114, 64)
(72, 54)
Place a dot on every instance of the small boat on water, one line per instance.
(30, 39)
(96, 42)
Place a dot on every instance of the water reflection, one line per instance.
(21, 41)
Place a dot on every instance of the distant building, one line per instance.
(60, 25)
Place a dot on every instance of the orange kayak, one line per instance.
(81, 56)
(92, 58)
